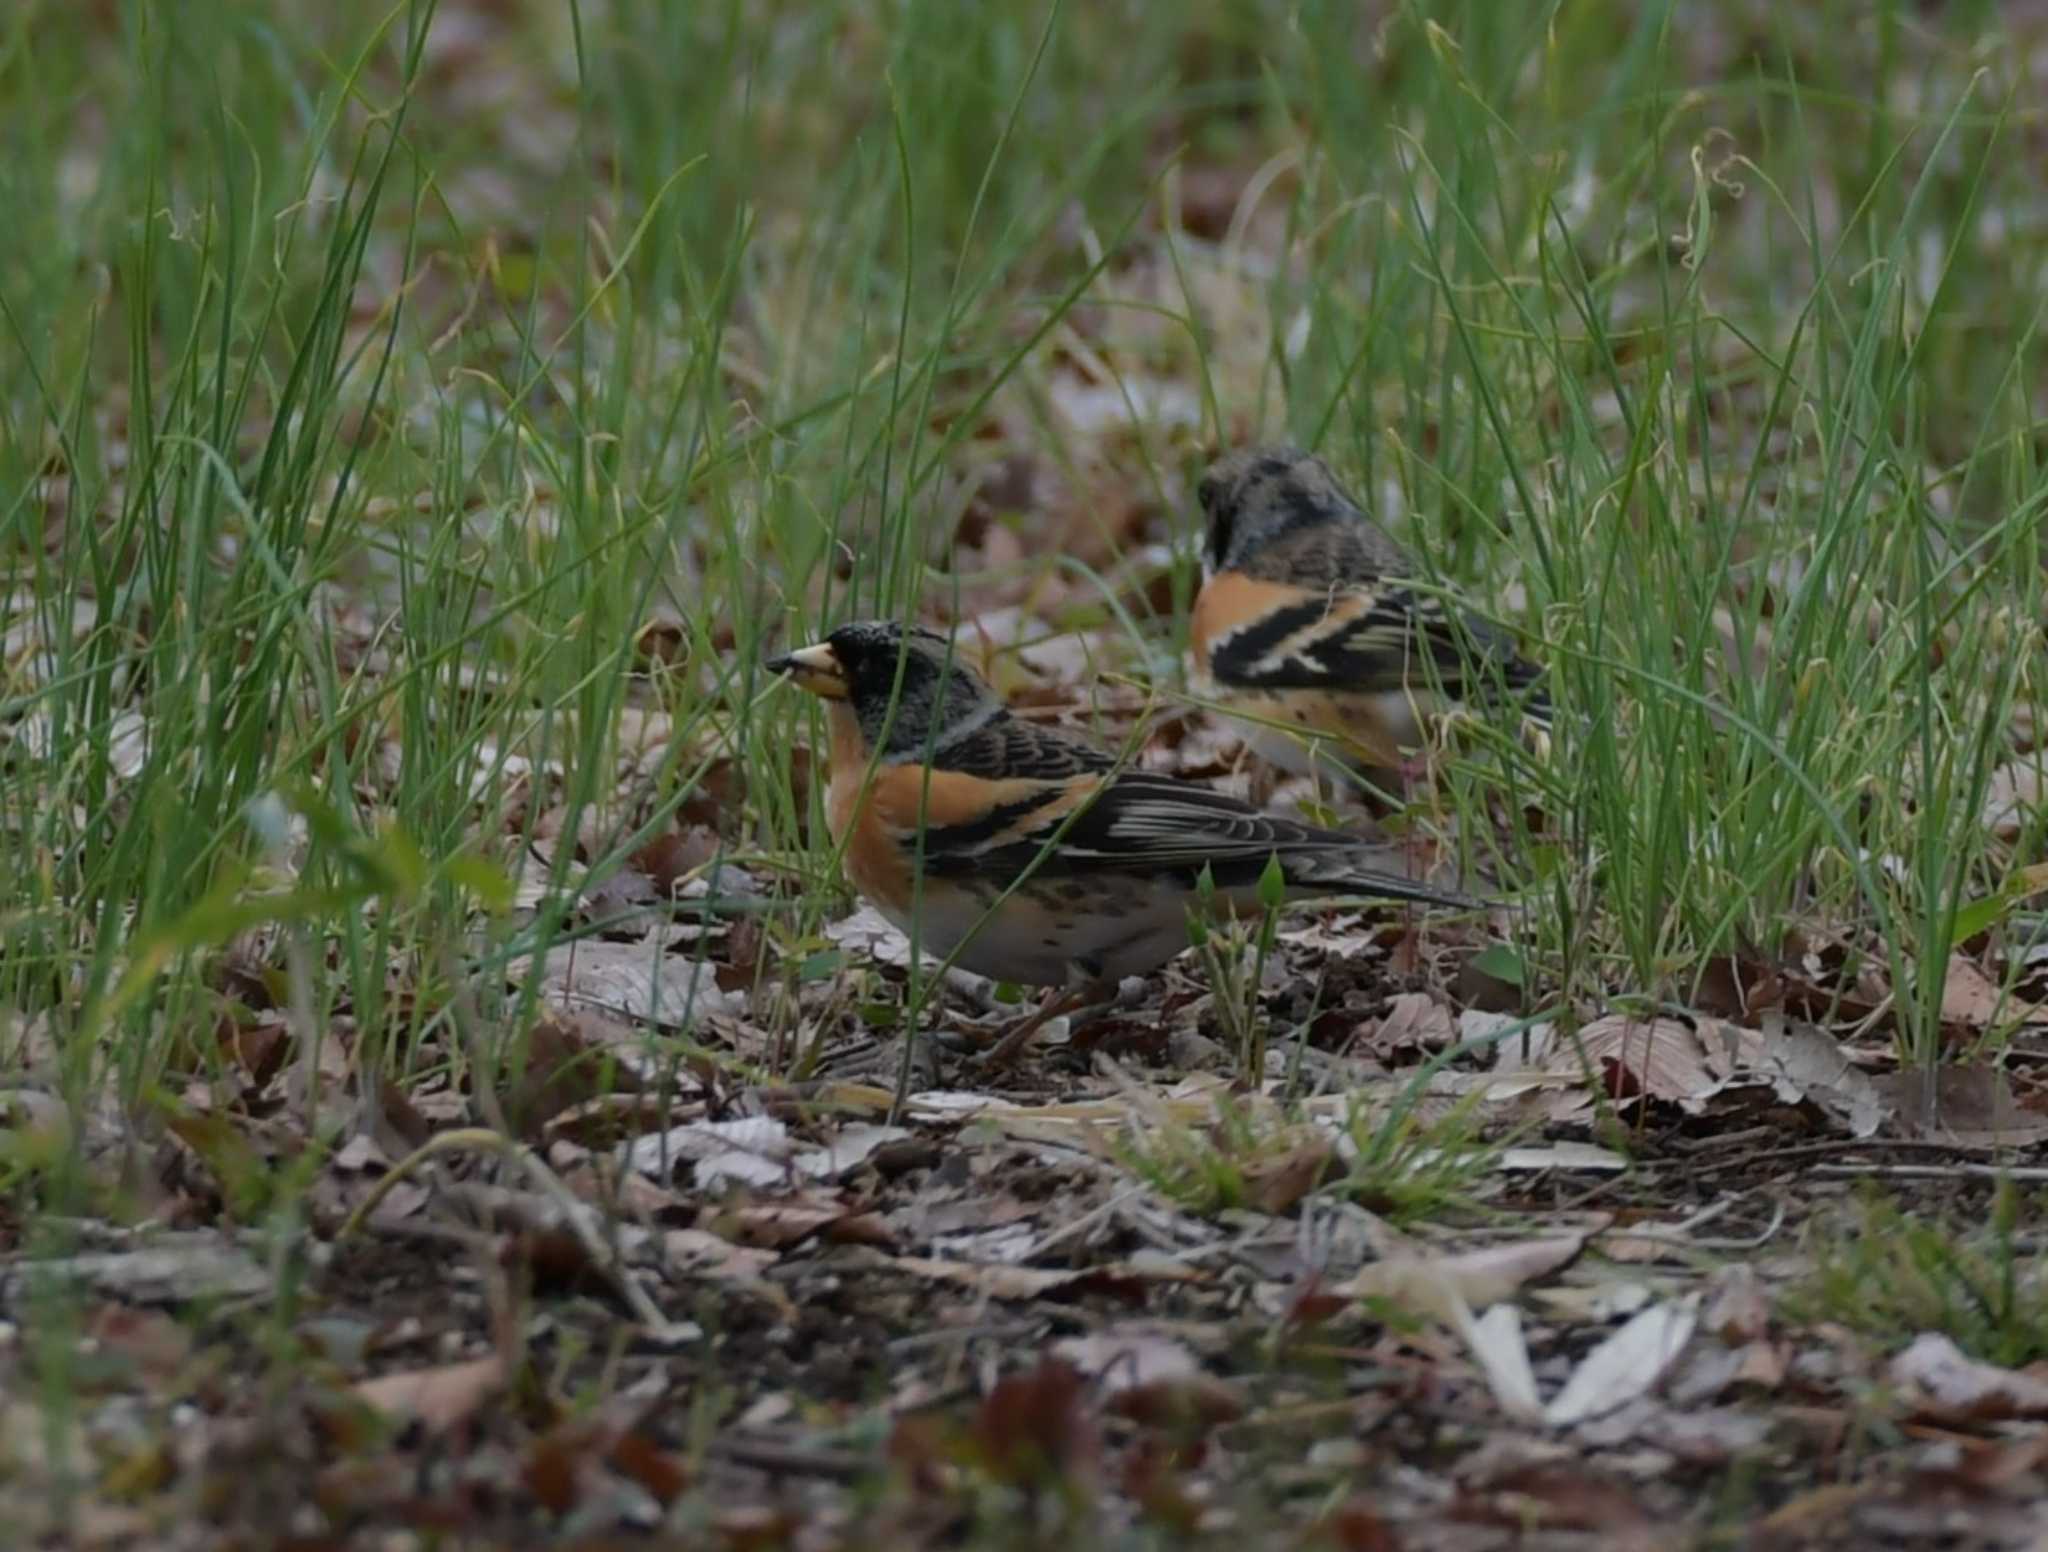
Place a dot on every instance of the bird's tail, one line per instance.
(1359, 869)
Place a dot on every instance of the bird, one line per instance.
(1311, 624)
(1024, 853)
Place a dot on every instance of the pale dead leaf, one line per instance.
(2014, 796)
(173, 1269)
(1025, 1282)
(1763, 1366)
(437, 1398)
(1349, 936)
(1123, 1359)
(928, 1220)
(1495, 1339)
(1729, 1049)
(1738, 1309)
(361, 1154)
(1598, 1303)
(1564, 1155)
(1414, 1022)
(776, 1225)
(1658, 1058)
(1627, 1364)
(697, 1253)
(1971, 1104)
(1498, 1033)
(640, 981)
(848, 1149)
(1274, 1183)
(1630, 1059)
(1151, 1378)
(1942, 1381)
(1437, 1286)
(871, 935)
(1972, 999)
(754, 1150)
(32, 1119)
(1804, 1062)
(1633, 1247)
(1010, 1244)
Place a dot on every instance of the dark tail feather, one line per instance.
(1352, 871)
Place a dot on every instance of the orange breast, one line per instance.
(875, 864)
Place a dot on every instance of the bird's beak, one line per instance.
(816, 668)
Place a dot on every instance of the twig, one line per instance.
(796, 1460)
(1810, 1150)
(573, 1212)
(1086, 1221)
(1678, 1237)
(2032, 1176)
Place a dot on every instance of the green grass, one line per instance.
(1893, 1274)
(349, 438)
(1690, 331)
(367, 384)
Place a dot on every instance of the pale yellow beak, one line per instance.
(815, 668)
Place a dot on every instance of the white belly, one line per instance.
(1327, 754)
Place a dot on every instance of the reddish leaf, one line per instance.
(1034, 1426)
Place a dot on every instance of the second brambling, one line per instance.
(1310, 619)
(1021, 852)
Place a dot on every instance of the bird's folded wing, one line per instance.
(1359, 640)
(1132, 823)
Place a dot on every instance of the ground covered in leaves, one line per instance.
(451, 1096)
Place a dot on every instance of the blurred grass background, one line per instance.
(401, 415)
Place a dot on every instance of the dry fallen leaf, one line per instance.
(1496, 1340)
(1438, 1286)
(1564, 1155)
(1274, 1183)
(1627, 1364)
(1652, 1058)
(698, 1253)
(1151, 1378)
(1804, 1062)
(172, 1269)
(1971, 999)
(868, 934)
(1939, 1380)
(437, 1398)
(753, 1150)
(1629, 1059)
(847, 1149)
(643, 982)
(1738, 1309)
(1415, 1021)
(1027, 1282)
(1556, 1498)
(2014, 795)
(1971, 1104)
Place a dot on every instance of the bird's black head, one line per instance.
(1258, 494)
(909, 688)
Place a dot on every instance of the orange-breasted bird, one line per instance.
(1024, 853)
(1311, 617)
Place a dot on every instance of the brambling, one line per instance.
(1309, 618)
(1022, 853)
